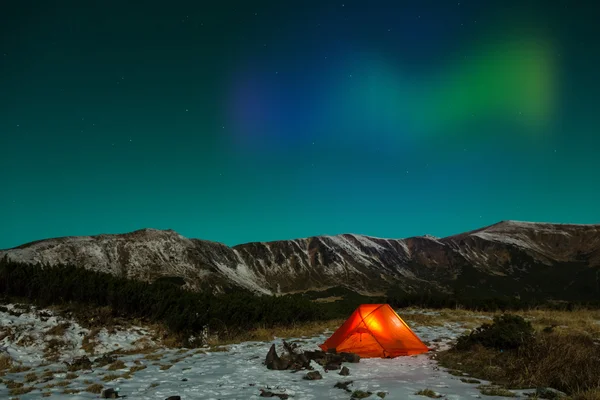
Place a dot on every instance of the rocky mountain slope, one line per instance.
(509, 258)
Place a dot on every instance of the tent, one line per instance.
(375, 330)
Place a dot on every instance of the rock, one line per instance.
(360, 394)
(109, 393)
(345, 371)
(315, 355)
(332, 366)
(266, 393)
(184, 380)
(350, 357)
(313, 375)
(273, 361)
(343, 385)
(173, 398)
(381, 394)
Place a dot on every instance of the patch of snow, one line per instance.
(239, 373)
(242, 275)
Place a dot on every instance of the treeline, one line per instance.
(188, 312)
(182, 311)
(398, 298)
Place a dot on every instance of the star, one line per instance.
(186, 109)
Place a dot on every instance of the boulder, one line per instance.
(345, 371)
(273, 361)
(266, 393)
(109, 393)
(343, 385)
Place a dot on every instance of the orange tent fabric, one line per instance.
(375, 330)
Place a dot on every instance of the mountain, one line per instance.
(523, 259)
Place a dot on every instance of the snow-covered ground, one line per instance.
(236, 373)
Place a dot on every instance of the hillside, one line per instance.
(521, 259)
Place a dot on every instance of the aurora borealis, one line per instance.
(255, 121)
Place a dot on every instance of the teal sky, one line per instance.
(267, 120)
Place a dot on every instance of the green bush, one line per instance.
(505, 333)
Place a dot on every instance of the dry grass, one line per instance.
(58, 330)
(31, 377)
(117, 365)
(13, 384)
(136, 368)
(285, 332)
(136, 350)
(593, 394)
(71, 375)
(15, 369)
(577, 321)
(5, 362)
(53, 349)
(423, 319)
(165, 367)
(154, 384)
(110, 377)
(153, 357)
(21, 390)
(48, 374)
(569, 362)
(94, 388)
(88, 344)
(491, 390)
(46, 394)
(71, 391)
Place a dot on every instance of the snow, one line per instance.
(242, 275)
(350, 248)
(238, 372)
(367, 242)
(26, 336)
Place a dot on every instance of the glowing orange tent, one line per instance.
(375, 330)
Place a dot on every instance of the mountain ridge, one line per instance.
(509, 258)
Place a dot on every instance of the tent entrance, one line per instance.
(362, 343)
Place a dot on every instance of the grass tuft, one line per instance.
(117, 365)
(94, 388)
(491, 390)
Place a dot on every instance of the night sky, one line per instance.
(239, 121)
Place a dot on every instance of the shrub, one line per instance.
(504, 333)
